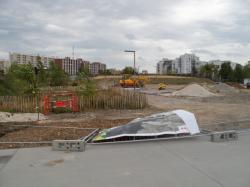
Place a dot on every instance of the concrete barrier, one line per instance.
(224, 136)
(69, 145)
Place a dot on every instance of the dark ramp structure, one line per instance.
(161, 125)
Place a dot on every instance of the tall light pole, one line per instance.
(131, 51)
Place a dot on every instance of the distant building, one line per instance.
(185, 64)
(96, 68)
(164, 66)
(144, 72)
(188, 62)
(218, 63)
(72, 66)
(26, 59)
(4, 65)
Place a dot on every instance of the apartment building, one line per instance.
(97, 67)
(72, 66)
(184, 64)
(26, 59)
(164, 66)
(218, 63)
(188, 62)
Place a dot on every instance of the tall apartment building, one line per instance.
(96, 67)
(188, 62)
(26, 59)
(182, 65)
(72, 66)
(164, 66)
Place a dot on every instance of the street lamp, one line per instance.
(131, 51)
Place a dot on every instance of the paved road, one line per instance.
(189, 163)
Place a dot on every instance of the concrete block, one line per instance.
(68, 145)
(224, 136)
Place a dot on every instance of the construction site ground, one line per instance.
(229, 105)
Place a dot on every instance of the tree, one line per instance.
(56, 76)
(42, 74)
(194, 71)
(20, 79)
(238, 74)
(128, 70)
(83, 74)
(246, 71)
(210, 71)
(226, 71)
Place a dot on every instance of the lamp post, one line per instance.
(131, 51)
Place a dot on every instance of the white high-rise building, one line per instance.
(185, 64)
(188, 62)
(26, 59)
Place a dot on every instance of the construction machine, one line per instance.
(131, 82)
(162, 86)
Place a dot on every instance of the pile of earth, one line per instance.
(193, 90)
(20, 117)
(224, 88)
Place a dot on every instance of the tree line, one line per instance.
(225, 72)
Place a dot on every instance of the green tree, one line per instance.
(210, 71)
(128, 70)
(238, 74)
(42, 73)
(83, 74)
(246, 71)
(20, 79)
(226, 71)
(194, 71)
(56, 76)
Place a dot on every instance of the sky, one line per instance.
(100, 30)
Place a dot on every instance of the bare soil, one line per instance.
(228, 106)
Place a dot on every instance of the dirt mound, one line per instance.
(193, 90)
(20, 117)
(224, 88)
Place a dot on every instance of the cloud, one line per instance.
(102, 30)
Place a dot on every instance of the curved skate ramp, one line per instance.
(167, 124)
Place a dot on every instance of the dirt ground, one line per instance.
(228, 105)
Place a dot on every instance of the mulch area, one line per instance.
(34, 134)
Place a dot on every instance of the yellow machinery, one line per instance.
(133, 82)
(162, 86)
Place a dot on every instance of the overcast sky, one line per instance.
(101, 30)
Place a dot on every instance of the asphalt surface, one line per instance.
(186, 162)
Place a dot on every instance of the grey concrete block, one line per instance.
(68, 145)
(224, 136)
